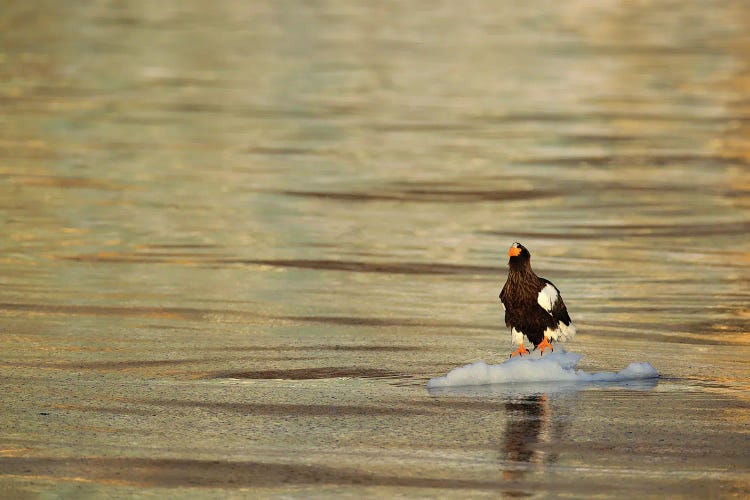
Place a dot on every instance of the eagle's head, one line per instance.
(518, 254)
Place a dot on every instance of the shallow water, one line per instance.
(240, 237)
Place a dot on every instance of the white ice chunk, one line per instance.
(558, 366)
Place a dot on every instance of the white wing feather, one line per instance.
(547, 298)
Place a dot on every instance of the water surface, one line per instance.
(239, 238)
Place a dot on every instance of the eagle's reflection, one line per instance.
(537, 417)
(528, 423)
(529, 427)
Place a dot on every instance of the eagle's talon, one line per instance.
(544, 344)
(520, 351)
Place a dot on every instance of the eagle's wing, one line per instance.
(552, 302)
(502, 303)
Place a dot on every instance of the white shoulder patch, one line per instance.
(547, 298)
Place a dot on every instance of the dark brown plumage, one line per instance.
(534, 308)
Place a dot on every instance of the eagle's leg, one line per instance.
(544, 344)
(520, 351)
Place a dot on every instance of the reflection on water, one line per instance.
(532, 428)
(323, 194)
(528, 424)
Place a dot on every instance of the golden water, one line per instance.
(238, 237)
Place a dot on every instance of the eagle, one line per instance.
(534, 308)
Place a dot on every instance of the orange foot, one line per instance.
(520, 351)
(544, 344)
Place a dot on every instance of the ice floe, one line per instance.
(558, 366)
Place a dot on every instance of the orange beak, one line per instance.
(514, 251)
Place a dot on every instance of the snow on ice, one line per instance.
(558, 366)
